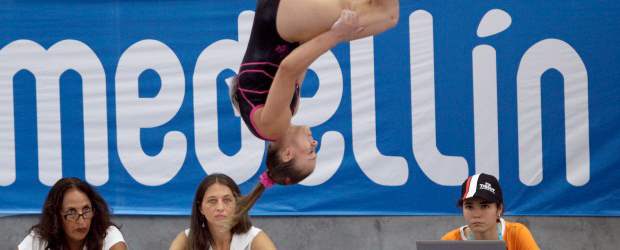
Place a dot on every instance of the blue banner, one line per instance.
(132, 97)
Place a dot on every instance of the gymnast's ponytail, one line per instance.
(278, 172)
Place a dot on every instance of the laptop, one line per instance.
(461, 245)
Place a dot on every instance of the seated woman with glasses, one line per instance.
(74, 217)
(213, 211)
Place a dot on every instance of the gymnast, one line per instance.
(286, 37)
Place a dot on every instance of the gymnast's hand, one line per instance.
(347, 25)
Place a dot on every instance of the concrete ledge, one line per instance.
(321, 233)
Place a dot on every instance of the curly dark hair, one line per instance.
(50, 227)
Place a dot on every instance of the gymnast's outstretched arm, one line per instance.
(275, 117)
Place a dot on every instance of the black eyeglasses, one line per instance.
(87, 213)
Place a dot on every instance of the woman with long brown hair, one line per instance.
(213, 209)
(74, 217)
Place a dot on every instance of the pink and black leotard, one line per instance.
(266, 49)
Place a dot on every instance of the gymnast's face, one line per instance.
(303, 148)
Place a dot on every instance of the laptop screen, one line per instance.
(461, 245)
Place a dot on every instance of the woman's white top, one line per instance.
(239, 241)
(34, 242)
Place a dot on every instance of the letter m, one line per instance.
(47, 66)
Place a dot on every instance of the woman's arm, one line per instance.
(525, 238)
(180, 242)
(119, 246)
(262, 242)
(275, 117)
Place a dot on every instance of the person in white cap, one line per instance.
(483, 205)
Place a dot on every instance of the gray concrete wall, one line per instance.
(380, 233)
